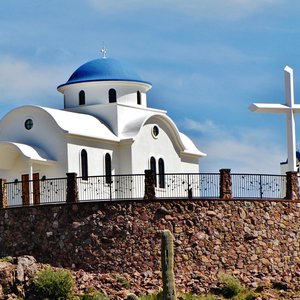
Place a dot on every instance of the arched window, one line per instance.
(112, 96)
(153, 167)
(81, 98)
(84, 165)
(161, 173)
(108, 178)
(139, 97)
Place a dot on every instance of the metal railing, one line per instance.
(45, 191)
(126, 187)
(116, 187)
(258, 186)
(188, 185)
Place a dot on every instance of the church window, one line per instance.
(112, 96)
(84, 165)
(28, 124)
(155, 131)
(108, 178)
(161, 173)
(81, 98)
(153, 167)
(139, 97)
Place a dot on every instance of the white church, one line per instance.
(105, 128)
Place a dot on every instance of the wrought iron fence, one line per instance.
(258, 186)
(125, 187)
(116, 187)
(188, 185)
(37, 192)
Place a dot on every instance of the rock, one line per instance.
(242, 213)
(26, 265)
(211, 213)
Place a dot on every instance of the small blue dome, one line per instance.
(103, 69)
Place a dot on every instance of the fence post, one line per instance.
(3, 194)
(72, 189)
(292, 186)
(225, 184)
(149, 185)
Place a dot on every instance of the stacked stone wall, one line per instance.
(257, 241)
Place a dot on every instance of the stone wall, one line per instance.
(256, 240)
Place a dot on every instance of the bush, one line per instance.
(246, 295)
(153, 296)
(190, 296)
(230, 286)
(53, 284)
(94, 296)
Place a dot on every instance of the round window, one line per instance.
(28, 124)
(155, 131)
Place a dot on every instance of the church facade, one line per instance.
(105, 128)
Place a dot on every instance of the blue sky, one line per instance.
(208, 60)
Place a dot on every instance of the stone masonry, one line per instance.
(258, 241)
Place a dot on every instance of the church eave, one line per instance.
(148, 84)
(94, 138)
(192, 154)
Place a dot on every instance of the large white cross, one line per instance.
(289, 108)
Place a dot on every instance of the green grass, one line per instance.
(53, 284)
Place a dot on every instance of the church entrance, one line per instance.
(35, 186)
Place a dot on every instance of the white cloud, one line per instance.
(21, 80)
(243, 150)
(216, 9)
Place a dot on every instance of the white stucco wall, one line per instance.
(163, 146)
(45, 134)
(97, 92)
(96, 151)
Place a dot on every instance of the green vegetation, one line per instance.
(123, 281)
(93, 295)
(6, 259)
(53, 284)
(230, 286)
(153, 296)
(132, 297)
(190, 296)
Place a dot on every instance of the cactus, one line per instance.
(167, 263)
(132, 297)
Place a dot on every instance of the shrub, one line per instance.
(153, 296)
(123, 281)
(7, 259)
(230, 286)
(53, 284)
(208, 297)
(94, 295)
(246, 295)
(190, 296)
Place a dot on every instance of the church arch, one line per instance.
(81, 97)
(153, 167)
(161, 173)
(139, 97)
(108, 178)
(84, 164)
(112, 96)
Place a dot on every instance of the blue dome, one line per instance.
(103, 69)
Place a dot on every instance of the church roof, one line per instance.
(103, 69)
(185, 144)
(80, 124)
(71, 122)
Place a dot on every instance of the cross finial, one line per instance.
(103, 51)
